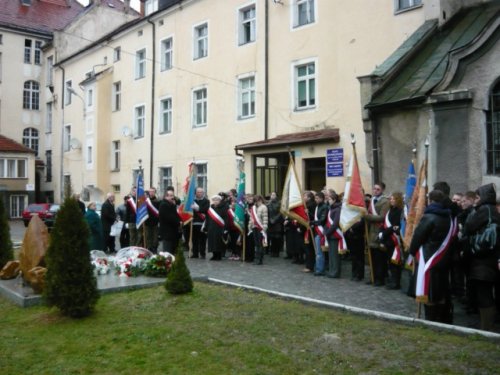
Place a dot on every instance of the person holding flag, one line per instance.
(239, 213)
(130, 216)
(200, 207)
(318, 224)
(169, 222)
(258, 226)
(335, 237)
(142, 210)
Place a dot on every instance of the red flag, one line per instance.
(417, 204)
(292, 204)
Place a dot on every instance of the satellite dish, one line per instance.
(75, 144)
(126, 131)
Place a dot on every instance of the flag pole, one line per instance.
(190, 244)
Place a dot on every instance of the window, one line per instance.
(140, 64)
(48, 166)
(67, 137)
(48, 118)
(30, 139)
(201, 41)
(166, 54)
(247, 24)
(304, 12)
(117, 96)
(150, 6)
(116, 189)
(67, 93)
(493, 131)
(90, 98)
(246, 106)
(139, 121)
(13, 168)
(38, 52)
(305, 87)
(406, 4)
(17, 205)
(199, 108)
(27, 51)
(31, 95)
(115, 157)
(49, 76)
(166, 116)
(1, 39)
(117, 54)
(201, 175)
(165, 178)
(89, 154)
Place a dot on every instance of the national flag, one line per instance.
(142, 207)
(417, 204)
(411, 181)
(353, 205)
(240, 207)
(292, 204)
(184, 210)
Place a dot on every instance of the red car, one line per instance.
(39, 209)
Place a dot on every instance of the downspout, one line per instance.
(376, 170)
(63, 92)
(153, 81)
(266, 71)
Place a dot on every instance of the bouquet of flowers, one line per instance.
(100, 262)
(131, 261)
(159, 265)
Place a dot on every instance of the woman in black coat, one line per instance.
(483, 268)
(169, 222)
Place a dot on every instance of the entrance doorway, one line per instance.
(315, 174)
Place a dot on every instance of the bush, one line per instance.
(6, 251)
(70, 283)
(179, 279)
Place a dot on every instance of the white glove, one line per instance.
(195, 206)
(380, 235)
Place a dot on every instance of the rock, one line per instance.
(10, 270)
(37, 278)
(34, 248)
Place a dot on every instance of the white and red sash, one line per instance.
(425, 266)
(131, 204)
(230, 216)
(371, 208)
(396, 257)
(258, 224)
(216, 217)
(338, 235)
(320, 231)
(152, 209)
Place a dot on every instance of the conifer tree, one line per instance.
(70, 283)
(179, 279)
(6, 252)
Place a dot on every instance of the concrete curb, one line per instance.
(362, 311)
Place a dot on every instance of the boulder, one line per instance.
(10, 270)
(37, 279)
(34, 248)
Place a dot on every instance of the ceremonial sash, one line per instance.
(215, 217)
(396, 254)
(372, 209)
(230, 216)
(131, 204)
(258, 224)
(320, 231)
(152, 208)
(424, 267)
(338, 235)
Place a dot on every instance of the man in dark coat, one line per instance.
(108, 218)
(169, 222)
(130, 218)
(216, 225)
(151, 224)
(200, 207)
(275, 230)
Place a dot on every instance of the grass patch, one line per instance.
(218, 330)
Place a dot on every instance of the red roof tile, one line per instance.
(9, 145)
(314, 136)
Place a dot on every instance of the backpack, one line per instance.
(483, 243)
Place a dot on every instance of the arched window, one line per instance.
(493, 131)
(31, 95)
(30, 139)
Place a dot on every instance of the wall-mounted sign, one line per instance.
(30, 187)
(335, 162)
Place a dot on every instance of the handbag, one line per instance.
(116, 228)
(484, 242)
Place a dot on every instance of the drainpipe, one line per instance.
(375, 149)
(153, 82)
(63, 92)
(266, 71)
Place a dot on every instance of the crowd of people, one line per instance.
(440, 243)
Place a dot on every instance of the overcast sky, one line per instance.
(133, 3)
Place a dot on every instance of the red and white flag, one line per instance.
(292, 204)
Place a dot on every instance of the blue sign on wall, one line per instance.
(335, 162)
(335, 170)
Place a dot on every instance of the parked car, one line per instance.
(50, 217)
(39, 209)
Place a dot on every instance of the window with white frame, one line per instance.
(49, 75)
(150, 6)
(201, 175)
(67, 92)
(115, 156)
(31, 95)
(140, 64)
(166, 116)
(407, 4)
(48, 166)
(89, 155)
(89, 124)
(27, 50)
(246, 98)
(67, 137)
(305, 86)
(30, 139)
(139, 121)
(38, 52)
(48, 118)
(200, 41)
(117, 54)
(117, 96)
(165, 178)
(166, 53)
(247, 24)
(90, 98)
(303, 12)
(17, 205)
(199, 108)
(13, 168)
